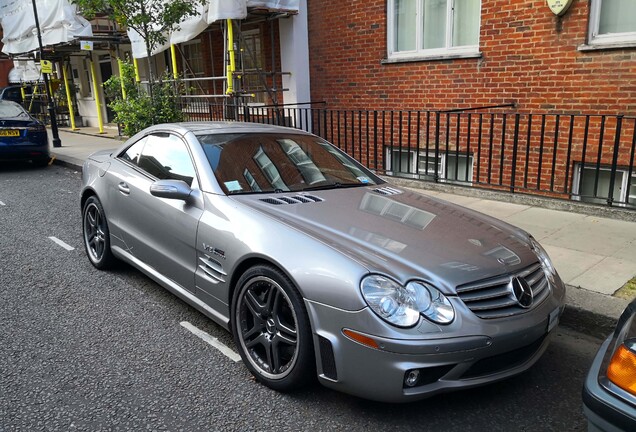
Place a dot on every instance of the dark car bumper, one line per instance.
(35, 151)
(604, 410)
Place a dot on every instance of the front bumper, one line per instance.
(469, 353)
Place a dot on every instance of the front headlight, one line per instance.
(546, 263)
(402, 305)
(432, 303)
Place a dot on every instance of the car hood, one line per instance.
(402, 233)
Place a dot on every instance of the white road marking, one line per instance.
(61, 243)
(1, 203)
(228, 352)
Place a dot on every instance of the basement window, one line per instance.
(451, 167)
(592, 185)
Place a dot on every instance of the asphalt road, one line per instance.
(87, 350)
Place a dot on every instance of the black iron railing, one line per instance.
(569, 156)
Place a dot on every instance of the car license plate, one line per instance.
(9, 132)
(553, 319)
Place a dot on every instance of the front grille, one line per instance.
(494, 297)
(295, 199)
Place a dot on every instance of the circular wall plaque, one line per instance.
(559, 7)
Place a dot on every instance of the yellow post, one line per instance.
(98, 105)
(35, 91)
(69, 100)
(121, 79)
(173, 54)
(23, 93)
(232, 66)
(136, 65)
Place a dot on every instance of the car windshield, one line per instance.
(265, 163)
(11, 110)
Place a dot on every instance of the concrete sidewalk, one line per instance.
(595, 255)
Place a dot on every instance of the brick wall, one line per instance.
(529, 56)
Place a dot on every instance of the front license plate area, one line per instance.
(553, 319)
(9, 132)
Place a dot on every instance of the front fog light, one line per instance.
(411, 378)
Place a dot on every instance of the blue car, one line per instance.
(22, 137)
(609, 393)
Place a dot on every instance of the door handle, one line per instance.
(123, 188)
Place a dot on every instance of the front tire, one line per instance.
(96, 234)
(271, 329)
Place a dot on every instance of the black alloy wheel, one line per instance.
(96, 234)
(271, 329)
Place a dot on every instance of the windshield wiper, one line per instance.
(334, 186)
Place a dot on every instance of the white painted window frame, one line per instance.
(419, 53)
(610, 39)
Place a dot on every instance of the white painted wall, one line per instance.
(294, 49)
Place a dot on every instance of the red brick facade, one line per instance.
(529, 56)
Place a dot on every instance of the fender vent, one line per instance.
(388, 191)
(327, 359)
(296, 199)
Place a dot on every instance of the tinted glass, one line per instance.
(132, 154)
(8, 110)
(166, 157)
(250, 163)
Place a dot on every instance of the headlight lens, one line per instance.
(402, 305)
(432, 303)
(546, 263)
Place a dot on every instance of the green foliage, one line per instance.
(152, 19)
(139, 109)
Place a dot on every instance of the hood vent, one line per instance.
(296, 199)
(388, 191)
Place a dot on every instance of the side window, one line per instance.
(166, 157)
(132, 154)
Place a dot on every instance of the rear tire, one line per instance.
(271, 329)
(96, 234)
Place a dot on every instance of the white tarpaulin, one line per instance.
(24, 70)
(59, 23)
(212, 11)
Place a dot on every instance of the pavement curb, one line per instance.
(67, 162)
(121, 138)
(591, 313)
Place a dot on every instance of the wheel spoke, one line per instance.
(99, 248)
(259, 340)
(271, 300)
(91, 219)
(253, 305)
(286, 335)
(273, 357)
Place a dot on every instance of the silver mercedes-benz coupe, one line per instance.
(319, 267)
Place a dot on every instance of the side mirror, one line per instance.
(171, 189)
